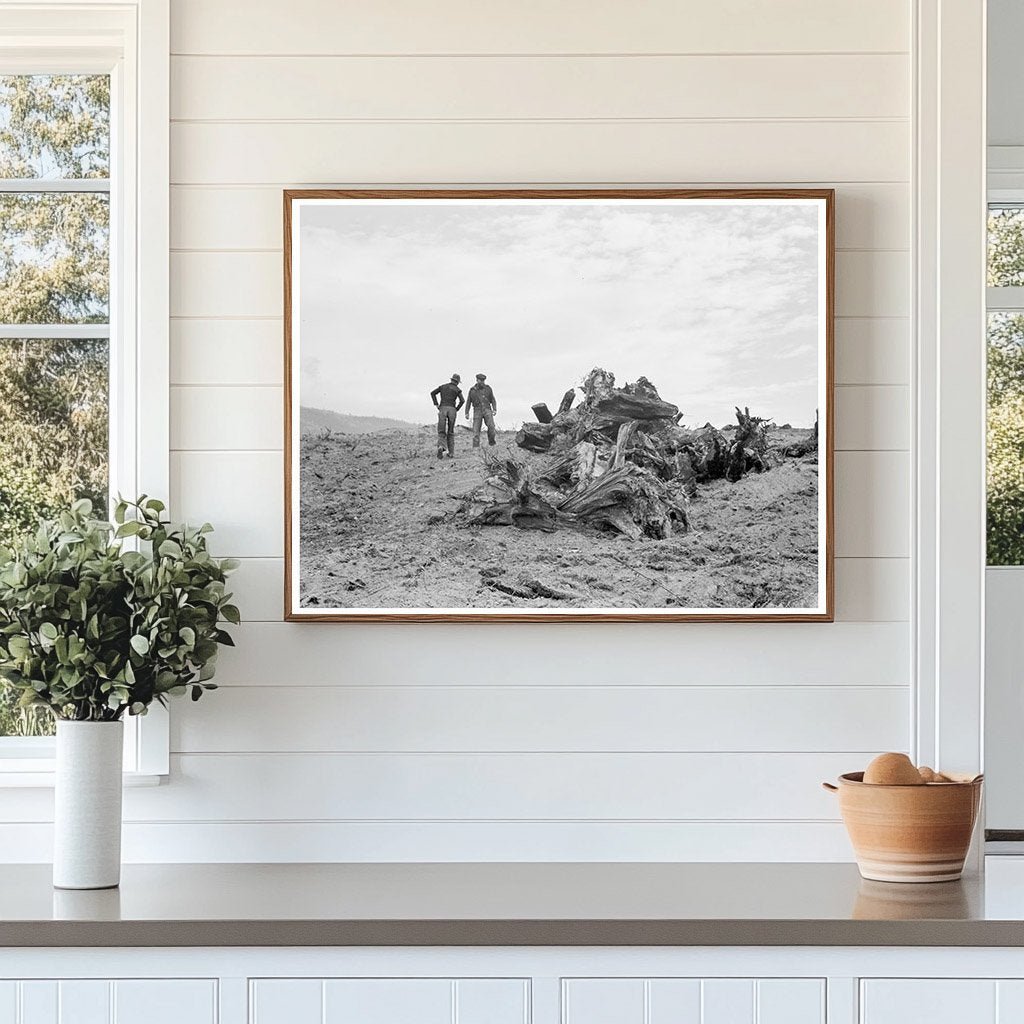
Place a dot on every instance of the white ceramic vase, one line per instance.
(87, 811)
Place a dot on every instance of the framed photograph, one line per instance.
(559, 405)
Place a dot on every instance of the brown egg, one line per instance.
(893, 770)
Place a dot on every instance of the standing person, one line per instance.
(448, 400)
(484, 405)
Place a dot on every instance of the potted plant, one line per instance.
(99, 620)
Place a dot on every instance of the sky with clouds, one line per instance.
(716, 304)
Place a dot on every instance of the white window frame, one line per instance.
(130, 41)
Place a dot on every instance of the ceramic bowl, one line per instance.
(909, 833)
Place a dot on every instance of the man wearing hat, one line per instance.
(448, 400)
(484, 405)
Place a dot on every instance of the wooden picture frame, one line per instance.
(554, 602)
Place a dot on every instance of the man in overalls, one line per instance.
(484, 405)
(448, 400)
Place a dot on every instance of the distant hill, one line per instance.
(313, 421)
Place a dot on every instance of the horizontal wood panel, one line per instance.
(872, 504)
(251, 418)
(249, 284)
(227, 352)
(528, 88)
(873, 283)
(569, 151)
(535, 26)
(250, 217)
(872, 350)
(256, 787)
(241, 493)
(869, 350)
(550, 718)
(873, 589)
(872, 418)
(461, 842)
(573, 654)
(235, 418)
(867, 589)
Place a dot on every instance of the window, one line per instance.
(1005, 480)
(54, 309)
(84, 125)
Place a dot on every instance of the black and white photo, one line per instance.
(559, 405)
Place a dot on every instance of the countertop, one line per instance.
(558, 904)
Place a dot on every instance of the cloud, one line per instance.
(715, 303)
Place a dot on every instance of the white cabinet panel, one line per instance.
(8, 1002)
(693, 1001)
(490, 1001)
(674, 1001)
(388, 1001)
(286, 1001)
(39, 1003)
(929, 1001)
(164, 1002)
(603, 1001)
(101, 1001)
(790, 1001)
(727, 1001)
(84, 1002)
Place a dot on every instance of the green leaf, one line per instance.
(140, 644)
(49, 631)
(232, 614)
(170, 549)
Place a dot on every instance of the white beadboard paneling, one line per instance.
(8, 1002)
(286, 1001)
(790, 1001)
(729, 152)
(388, 1001)
(872, 350)
(469, 718)
(873, 589)
(150, 1001)
(1010, 1001)
(872, 283)
(85, 1002)
(727, 1001)
(241, 493)
(227, 352)
(573, 654)
(603, 1001)
(673, 1001)
(937, 1001)
(238, 418)
(867, 589)
(872, 503)
(875, 418)
(210, 284)
(873, 216)
(492, 1001)
(462, 842)
(538, 88)
(577, 26)
(39, 1002)
(451, 786)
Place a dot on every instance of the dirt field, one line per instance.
(380, 529)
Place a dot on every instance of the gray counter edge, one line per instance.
(510, 933)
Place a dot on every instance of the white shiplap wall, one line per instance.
(624, 741)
